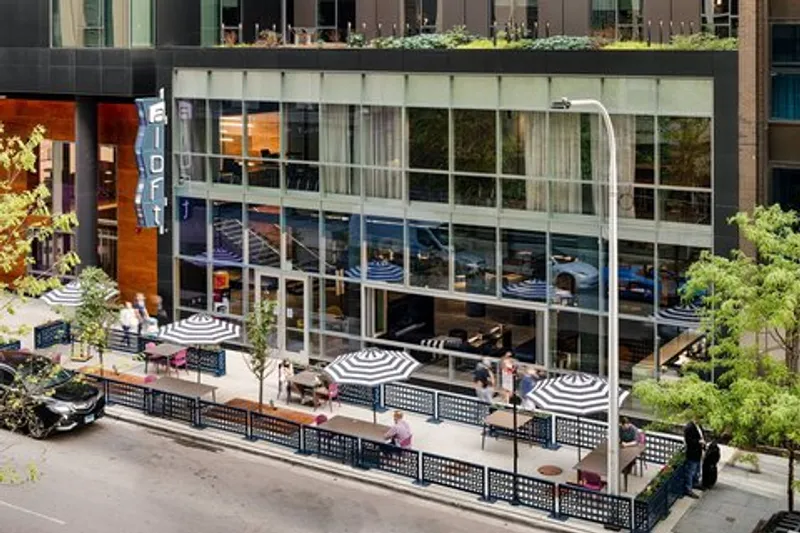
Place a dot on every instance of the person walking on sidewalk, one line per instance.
(695, 442)
(128, 321)
(285, 373)
(483, 379)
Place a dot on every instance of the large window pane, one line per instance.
(342, 242)
(227, 127)
(524, 265)
(524, 137)
(645, 150)
(674, 262)
(384, 249)
(302, 239)
(302, 177)
(342, 306)
(227, 294)
(263, 130)
(786, 43)
(574, 268)
(685, 145)
(191, 126)
(637, 278)
(685, 206)
(382, 141)
(475, 141)
(426, 187)
(192, 280)
(786, 96)
(301, 123)
(575, 342)
(264, 235)
(226, 170)
(339, 148)
(636, 344)
(475, 252)
(428, 244)
(786, 187)
(428, 138)
(472, 190)
(192, 226)
(227, 227)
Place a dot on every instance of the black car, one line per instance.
(57, 399)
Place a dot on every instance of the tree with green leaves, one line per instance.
(94, 316)
(755, 399)
(260, 325)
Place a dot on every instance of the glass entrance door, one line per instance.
(292, 294)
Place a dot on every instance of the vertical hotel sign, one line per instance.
(151, 198)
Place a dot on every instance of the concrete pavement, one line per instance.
(118, 477)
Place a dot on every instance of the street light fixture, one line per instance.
(613, 283)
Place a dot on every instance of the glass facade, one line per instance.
(102, 23)
(785, 77)
(441, 225)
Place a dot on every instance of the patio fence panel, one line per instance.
(11, 345)
(401, 461)
(531, 492)
(209, 361)
(652, 505)
(118, 342)
(611, 511)
(331, 445)
(222, 417)
(127, 394)
(584, 433)
(659, 448)
(173, 406)
(411, 399)
(359, 395)
(453, 473)
(275, 430)
(51, 334)
(677, 484)
(462, 409)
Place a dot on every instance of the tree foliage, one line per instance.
(260, 325)
(26, 221)
(94, 316)
(756, 401)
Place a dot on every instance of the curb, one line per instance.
(211, 437)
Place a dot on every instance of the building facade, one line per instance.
(426, 200)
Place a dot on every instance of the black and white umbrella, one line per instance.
(70, 295)
(680, 316)
(574, 394)
(198, 330)
(378, 271)
(371, 367)
(534, 289)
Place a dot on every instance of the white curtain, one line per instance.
(336, 147)
(383, 136)
(625, 133)
(534, 131)
(565, 149)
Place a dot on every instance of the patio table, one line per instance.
(304, 381)
(597, 463)
(184, 388)
(161, 351)
(356, 428)
(504, 420)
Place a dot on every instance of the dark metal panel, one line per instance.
(24, 23)
(783, 141)
(726, 152)
(178, 23)
(86, 169)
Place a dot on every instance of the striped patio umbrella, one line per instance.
(70, 295)
(534, 289)
(371, 367)
(378, 271)
(680, 316)
(198, 330)
(221, 256)
(574, 394)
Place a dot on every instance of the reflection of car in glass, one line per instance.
(571, 274)
(59, 400)
(637, 282)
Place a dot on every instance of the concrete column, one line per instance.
(86, 155)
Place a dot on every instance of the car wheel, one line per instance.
(566, 282)
(37, 428)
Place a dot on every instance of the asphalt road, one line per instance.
(115, 477)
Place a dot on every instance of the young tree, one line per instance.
(260, 325)
(95, 315)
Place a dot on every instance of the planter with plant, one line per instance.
(94, 316)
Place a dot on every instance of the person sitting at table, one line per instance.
(400, 434)
(628, 433)
(285, 372)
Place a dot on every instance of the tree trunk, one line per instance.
(261, 394)
(790, 481)
(100, 354)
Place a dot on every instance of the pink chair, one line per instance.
(155, 360)
(179, 360)
(406, 443)
(591, 481)
(321, 419)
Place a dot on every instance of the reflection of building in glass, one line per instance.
(439, 222)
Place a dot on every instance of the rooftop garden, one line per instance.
(460, 39)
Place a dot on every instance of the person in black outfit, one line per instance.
(695, 442)
(710, 465)
(161, 313)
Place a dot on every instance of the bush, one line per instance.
(560, 42)
(694, 42)
(488, 44)
(454, 38)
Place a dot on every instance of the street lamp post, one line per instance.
(613, 284)
(515, 401)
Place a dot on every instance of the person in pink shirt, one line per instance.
(400, 433)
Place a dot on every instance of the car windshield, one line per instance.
(41, 374)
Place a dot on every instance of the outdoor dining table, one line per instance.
(504, 420)
(597, 460)
(161, 351)
(183, 387)
(356, 428)
(304, 381)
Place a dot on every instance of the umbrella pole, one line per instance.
(198, 365)
(579, 439)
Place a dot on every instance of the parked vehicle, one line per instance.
(55, 398)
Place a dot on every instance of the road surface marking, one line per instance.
(34, 513)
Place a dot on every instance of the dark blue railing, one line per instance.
(51, 334)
